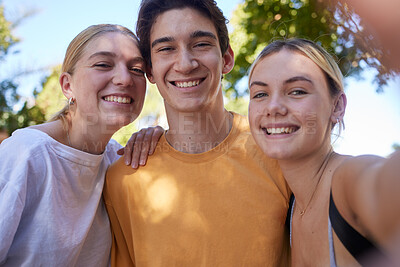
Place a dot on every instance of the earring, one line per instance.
(71, 101)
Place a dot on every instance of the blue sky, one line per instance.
(372, 120)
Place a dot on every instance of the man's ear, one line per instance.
(229, 60)
(149, 74)
(339, 107)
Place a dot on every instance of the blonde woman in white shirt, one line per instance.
(52, 175)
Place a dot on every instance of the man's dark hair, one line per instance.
(151, 9)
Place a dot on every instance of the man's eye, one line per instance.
(164, 49)
(202, 44)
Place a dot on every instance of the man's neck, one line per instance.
(198, 131)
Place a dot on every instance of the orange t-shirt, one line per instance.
(223, 207)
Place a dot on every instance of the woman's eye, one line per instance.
(102, 65)
(259, 95)
(298, 92)
(138, 71)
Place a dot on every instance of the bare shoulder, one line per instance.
(354, 175)
(352, 169)
(354, 189)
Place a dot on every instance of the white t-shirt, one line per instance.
(51, 206)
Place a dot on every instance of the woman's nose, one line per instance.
(122, 76)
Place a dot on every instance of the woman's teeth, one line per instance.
(118, 99)
(282, 130)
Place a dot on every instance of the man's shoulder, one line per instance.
(241, 122)
(242, 134)
(119, 168)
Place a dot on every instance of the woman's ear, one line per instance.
(339, 108)
(65, 82)
(229, 60)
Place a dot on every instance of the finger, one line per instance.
(128, 149)
(137, 147)
(146, 146)
(158, 132)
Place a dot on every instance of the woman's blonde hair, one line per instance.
(76, 48)
(314, 52)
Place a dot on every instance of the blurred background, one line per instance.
(34, 36)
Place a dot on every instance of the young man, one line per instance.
(208, 196)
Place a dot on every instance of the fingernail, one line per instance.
(134, 165)
(126, 162)
(141, 162)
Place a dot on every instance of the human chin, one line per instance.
(118, 120)
(273, 148)
(186, 104)
(277, 151)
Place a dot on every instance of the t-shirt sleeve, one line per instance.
(13, 175)
(111, 151)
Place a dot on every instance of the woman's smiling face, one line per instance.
(108, 81)
(290, 110)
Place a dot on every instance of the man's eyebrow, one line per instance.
(197, 34)
(258, 83)
(298, 78)
(103, 53)
(162, 40)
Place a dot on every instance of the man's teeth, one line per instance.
(118, 99)
(187, 84)
(282, 130)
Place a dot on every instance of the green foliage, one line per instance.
(7, 40)
(258, 22)
(27, 116)
(8, 94)
(8, 88)
(237, 104)
(51, 99)
(10, 120)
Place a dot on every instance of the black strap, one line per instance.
(289, 212)
(355, 243)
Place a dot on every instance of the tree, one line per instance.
(51, 99)
(28, 115)
(258, 22)
(8, 89)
